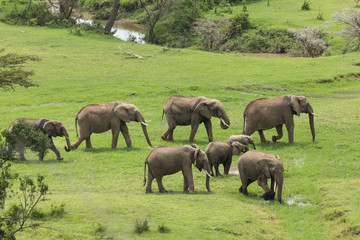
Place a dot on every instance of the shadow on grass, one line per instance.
(103, 149)
(171, 192)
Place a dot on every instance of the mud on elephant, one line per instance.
(222, 152)
(166, 160)
(53, 128)
(99, 118)
(184, 111)
(265, 113)
(258, 166)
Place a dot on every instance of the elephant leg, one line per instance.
(262, 137)
(194, 128)
(160, 185)
(186, 184)
(125, 132)
(272, 191)
(190, 181)
(216, 166)
(115, 135)
(245, 183)
(55, 150)
(227, 165)
(290, 128)
(280, 133)
(208, 127)
(262, 182)
(149, 182)
(168, 134)
(88, 142)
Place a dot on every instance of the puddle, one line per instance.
(296, 200)
(234, 170)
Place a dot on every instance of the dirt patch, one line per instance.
(234, 170)
(266, 55)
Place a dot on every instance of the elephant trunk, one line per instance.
(208, 183)
(311, 121)
(141, 119)
(279, 183)
(208, 172)
(66, 135)
(224, 121)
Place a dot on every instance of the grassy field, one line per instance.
(102, 189)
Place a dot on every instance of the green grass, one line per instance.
(102, 189)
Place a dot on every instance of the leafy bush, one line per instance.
(350, 18)
(310, 41)
(262, 41)
(142, 226)
(23, 135)
(238, 24)
(306, 5)
(163, 228)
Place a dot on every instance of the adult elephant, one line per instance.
(183, 111)
(99, 118)
(254, 165)
(266, 113)
(53, 128)
(165, 160)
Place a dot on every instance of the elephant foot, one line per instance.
(192, 192)
(274, 138)
(241, 189)
(148, 191)
(60, 158)
(163, 138)
(272, 196)
(22, 159)
(267, 196)
(163, 191)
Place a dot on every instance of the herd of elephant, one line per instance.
(259, 115)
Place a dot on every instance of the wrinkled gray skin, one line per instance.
(258, 166)
(99, 118)
(184, 111)
(222, 152)
(243, 139)
(166, 160)
(265, 113)
(52, 128)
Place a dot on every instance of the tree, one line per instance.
(13, 219)
(64, 8)
(12, 72)
(154, 12)
(112, 18)
(350, 17)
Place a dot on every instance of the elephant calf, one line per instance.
(222, 152)
(254, 165)
(52, 128)
(243, 139)
(166, 160)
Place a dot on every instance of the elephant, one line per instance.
(265, 113)
(243, 139)
(99, 118)
(183, 111)
(166, 160)
(254, 165)
(221, 153)
(53, 128)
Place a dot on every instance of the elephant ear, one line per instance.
(203, 108)
(49, 127)
(295, 104)
(264, 168)
(196, 152)
(122, 113)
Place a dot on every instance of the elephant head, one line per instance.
(213, 108)
(201, 162)
(300, 104)
(129, 112)
(55, 128)
(238, 148)
(272, 168)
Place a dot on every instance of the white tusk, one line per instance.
(208, 173)
(314, 114)
(147, 120)
(223, 122)
(286, 186)
(145, 124)
(275, 187)
(67, 138)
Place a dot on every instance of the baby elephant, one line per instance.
(243, 139)
(254, 165)
(166, 160)
(222, 152)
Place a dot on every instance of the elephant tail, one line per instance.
(162, 117)
(76, 120)
(145, 172)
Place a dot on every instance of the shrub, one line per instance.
(310, 41)
(238, 24)
(306, 5)
(142, 226)
(350, 18)
(163, 229)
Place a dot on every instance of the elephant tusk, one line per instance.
(223, 122)
(314, 114)
(67, 138)
(286, 186)
(207, 173)
(145, 124)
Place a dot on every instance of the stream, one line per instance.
(120, 33)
